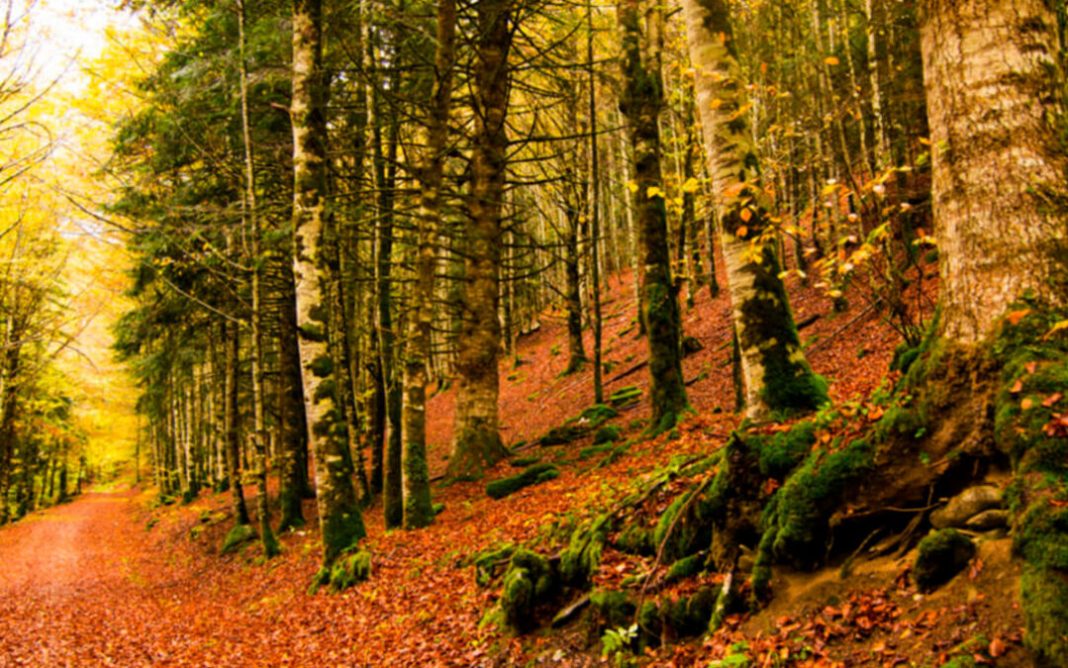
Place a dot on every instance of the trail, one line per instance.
(56, 566)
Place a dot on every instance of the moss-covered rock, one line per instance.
(595, 416)
(689, 615)
(1045, 601)
(564, 435)
(237, 537)
(607, 434)
(350, 569)
(488, 562)
(636, 539)
(1041, 536)
(532, 475)
(941, 555)
(528, 582)
(582, 556)
(685, 527)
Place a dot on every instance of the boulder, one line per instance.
(989, 520)
(966, 505)
(942, 554)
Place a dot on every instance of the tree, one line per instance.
(339, 511)
(775, 373)
(641, 104)
(477, 440)
(997, 173)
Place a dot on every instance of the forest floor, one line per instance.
(112, 579)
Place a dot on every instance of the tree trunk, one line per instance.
(339, 511)
(997, 172)
(776, 375)
(418, 508)
(294, 426)
(477, 439)
(641, 104)
(230, 422)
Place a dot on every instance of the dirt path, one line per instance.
(60, 572)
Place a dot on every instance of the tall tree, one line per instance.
(339, 511)
(997, 172)
(477, 440)
(641, 104)
(775, 373)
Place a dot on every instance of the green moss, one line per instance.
(625, 396)
(689, 615)
(488, 561)
(783, 451)
(533, 475)
(523, 462)
(350, 569)
(563, 435)
(528, 581)
(685, 527)
(809, 497)
(941, 555)
(612, 608)
(607, 434)
(1041, 536)
(1045, 602)
(582, 556)
(236, 537)
(635, 539)
(900, 421)
(685, 568)
(594, 450)
(595, 415)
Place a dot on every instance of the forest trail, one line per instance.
(60, 570)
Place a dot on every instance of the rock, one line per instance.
(942, 554)
(988, 520)
(966, 505)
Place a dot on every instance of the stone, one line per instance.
(941, 555)
(966, 505)
(988, 520)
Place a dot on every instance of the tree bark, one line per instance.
(641, 104)
(477, 440)
(997, 170)
(776, 375)
(339, 511)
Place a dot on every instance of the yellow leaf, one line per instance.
(632, 186)
(692, 185)
(742, 232)
(653, 191)
(746, 215)
(1058, 327)
(831, 60)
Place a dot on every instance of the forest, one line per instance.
(534, 332)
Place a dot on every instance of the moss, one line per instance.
(809, 497)
(607, 434)
(595, 415)
(783, 451)
(582, 556)
(528, 581)
(1045, 602)
(236, 537)
(533, 475)
(563, 435)
(612, 608)
(941, 555)
(685, 568)
(594, 450)
(488, 561)
(635, 539)
(685, 527)
(689, 615)
(900, 421)
(523, 462)
(1041, 536)
(350, 569)
(625, 396)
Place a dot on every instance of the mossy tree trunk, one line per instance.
(418, 508)
(776, 374)
(998, 167)
(641, 104)
(339, 511)
(231, 349)
(259, 394)
(477, 440)
(293, 433)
